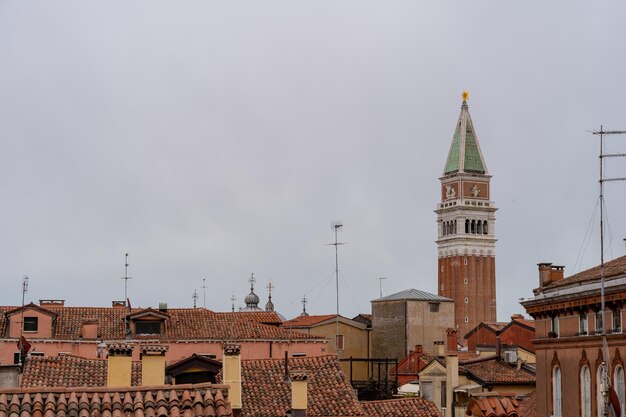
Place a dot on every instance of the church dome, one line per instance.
(252, 300)
(269, 306)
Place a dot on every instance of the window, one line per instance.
(148, 327)
(554, 326)
(339, 342)
(582, 319)
(426, 389)
(466, 319)
(40, 354)
(465, 261)
(465, 281)
(443, 394)
(556, 392)
(466, 300)
(16, 358)
(434, 307)
(585, 392)
(485, 228)
(599, 391)
(599, 322)
(618, 385)
(31, 324)
(617, 320)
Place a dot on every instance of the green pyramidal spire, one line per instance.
(465, 155)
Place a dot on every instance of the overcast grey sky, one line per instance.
(213, 139)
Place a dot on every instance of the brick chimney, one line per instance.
(452, 340)
(549, 273)
(51, 303)
(419, 349)
(498, 347)
(153, 364)
(119, 365)
(231, 369)
(299, 394)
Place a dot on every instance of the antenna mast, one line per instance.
(380, 282)
(605, 350)
(24, 291)
(194, 297)
(232, 300)
(126, 278)
(204, 292)
(336, 227)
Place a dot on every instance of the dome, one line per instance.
(269, 306)
(252, 300)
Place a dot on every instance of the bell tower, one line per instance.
(466, 230)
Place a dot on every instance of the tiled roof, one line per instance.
(266, 394)
(413, 294)
(70, 371)
(183, 324)
(174, 400)
(496, 325)
(491, 371)
(493, 405)
(414, 407)
(263, 317)
(465, 154)
(306, 321)
(528, 408)
(612, 269)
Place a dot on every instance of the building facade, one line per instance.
(568, 344)
(466, 233)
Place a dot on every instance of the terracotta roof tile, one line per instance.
(70, 371)
(175, 401)
(306, 321)
(182, 324)
(528, 408)
(266, 394)
(271, 318)
(414, 407)
(494, 371)
(493, 405)
(612, 269)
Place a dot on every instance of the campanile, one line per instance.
(466, 230)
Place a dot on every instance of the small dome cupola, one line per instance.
(252, 300)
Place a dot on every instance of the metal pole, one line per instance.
(605, 388)
(337, 226)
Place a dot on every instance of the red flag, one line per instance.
(23, 345)
(614, 402)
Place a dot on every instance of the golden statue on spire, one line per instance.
(465, 95)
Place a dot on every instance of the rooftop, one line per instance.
(413, 294)
(492, 370)
(465, 155)
(612, 269)
(414, 407)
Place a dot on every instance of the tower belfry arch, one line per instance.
(466, 229)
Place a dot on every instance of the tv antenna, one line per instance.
(304, 303)
(195, 298)
(336, 226)
(204, 292)
(603, 179)
(380, 285)
(126, 278)
(232, 300)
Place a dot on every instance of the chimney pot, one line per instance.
(440, 348)
(452, 340)
(544, 273)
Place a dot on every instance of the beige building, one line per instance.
(406, 319)
(347, 338)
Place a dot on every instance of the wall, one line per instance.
(482, 336)
(426, 327)
(44, 327)
(389, 338)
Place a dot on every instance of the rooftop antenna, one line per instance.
(204, 292)
(20, 343)
(126, 278)
(195, 297)
(336, 227)
(232, 300)
(304, 302)
(380, 282)
(605, 349)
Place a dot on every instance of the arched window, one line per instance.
(479, 227)
(455, 226)
(485, 228)
(618, 385)
(585, 392)
(466, 226)
(556, 392)
(599, 397)
(444, 229)
(473, 226)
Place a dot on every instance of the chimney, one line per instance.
(9, 376)
(51, 303)
(118, 304)
(556, 273)
(299, 394)
(232, 376)
(453, 343)
(119, 365)
(153, 364)
(89, 329)
(418, 349)
(544, 274)
(498, 347)
(439, 348)
(517, 317)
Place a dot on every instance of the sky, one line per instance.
(211, 140)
